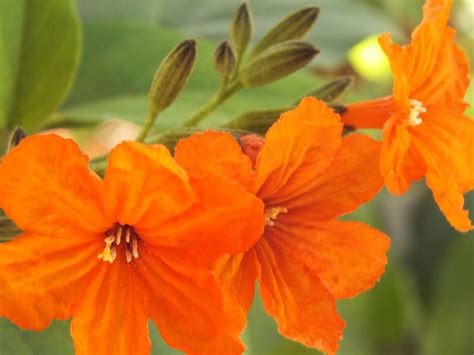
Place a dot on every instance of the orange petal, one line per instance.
(227, 219)
(446, 144)
(46, 186)
(144, 186)
(188, 305)
(298, 148)
(396, 159)
(399, 62)
(215, 154)
(294, 295)
(111, 317)
(349, 257)
(353, 179)
(432, 68)
(437, 10)
(369, 114)
(449, 78)
(42, 277)
(238, 274)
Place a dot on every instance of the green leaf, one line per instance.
(451, 323)
(55, 340)
(39, 54)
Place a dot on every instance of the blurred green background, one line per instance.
(83, 69)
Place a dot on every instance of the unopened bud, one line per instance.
(277, 62)
(295, 26)
(256, 121)
(241, 29)
(171, 76)
(251, 145)
(224, 60)
(16, 137)
(332, 91)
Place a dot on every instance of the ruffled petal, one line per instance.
(353, 179)
(42, 277)
(432, 68)
(46, 187)
(227, 219)
(144, 186)
(188, 306)
(215, 154)
(112, 315)
(396, 161)
(348, 257)
(301, 145)
(237, 274)
(399, 61)
(446, 144)
(449, 78)
(437, 10)
(294, 295)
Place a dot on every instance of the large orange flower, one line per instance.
(424, 130)
(307, 176)
(113, 253)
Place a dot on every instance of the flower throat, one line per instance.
(120, 235)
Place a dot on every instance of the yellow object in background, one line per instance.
(369, 60)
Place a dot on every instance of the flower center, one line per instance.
(416, 107)
(120, 234)
(272, 213)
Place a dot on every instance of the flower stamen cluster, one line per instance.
(416, 107)
(271, 214)
(114, 238)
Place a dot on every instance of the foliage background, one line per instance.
(424, 304)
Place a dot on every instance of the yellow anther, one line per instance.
(272, 213)
(135, 248)
(128, 254)
(127, 235)
(109, 254)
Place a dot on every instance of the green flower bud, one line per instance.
(241, 29)
(16, 137)
(171, 76)
(224, 60)
(295, 26)
(277, 62)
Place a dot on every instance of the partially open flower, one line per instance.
(425, 132)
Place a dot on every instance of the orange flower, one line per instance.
(307, 176)
(113, 253)
(424, 130)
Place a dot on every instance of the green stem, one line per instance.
(218, 99)
(149, 123)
